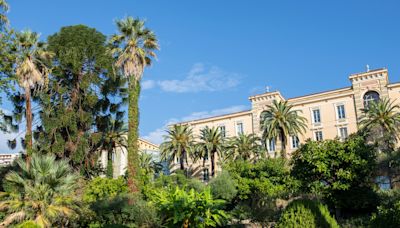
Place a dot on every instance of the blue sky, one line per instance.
(214, 54)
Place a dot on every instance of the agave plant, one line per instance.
(42, 191)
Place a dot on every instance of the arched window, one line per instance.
(369, 97)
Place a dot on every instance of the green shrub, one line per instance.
(223, 186)
(387, 216)
(189, 208)
(28, 224)
(306, 213)
(126, 211)
(103, 188)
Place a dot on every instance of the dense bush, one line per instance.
(104, 188)
(125, 211)
(174, 180)
(264, 178)
(388, 214)
(306, 213)
(342, 172)
(223, 186)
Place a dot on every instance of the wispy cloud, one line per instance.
(199, 78)
(157, 135)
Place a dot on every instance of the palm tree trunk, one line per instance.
(212, 164)
(28, 116)
(133, 131)
(283, 146)
(182, 161)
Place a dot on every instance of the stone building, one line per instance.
(329, 114)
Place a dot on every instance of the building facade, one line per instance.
(7, 159)
(329, 114)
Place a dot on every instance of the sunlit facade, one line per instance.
(329, 114)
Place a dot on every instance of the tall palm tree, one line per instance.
(243, 147)
(178, 144)
(32, 74)
(279, 120)
(211, 143)
(42, 192)
(3, 9)
(133, 47)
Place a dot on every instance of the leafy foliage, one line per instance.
(223, 187)
(388, 213)
(306, 213)
(119, 212)
(190, 209)
(77, 110)
(264, 178)
(42, 190)
(104, 188)
(341, 171)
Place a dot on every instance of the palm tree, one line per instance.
(42, 192)
(381, 122)
(133, 47)
(243, 147)
(32, 74)
(178, 144)
(148, 164)
(211, 143)
(280, 120)
(3, 7)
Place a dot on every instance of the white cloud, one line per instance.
(5, 136)
(199, 78)
(148, 84)
(157, 136)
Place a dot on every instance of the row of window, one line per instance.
(340, 111)
(238, 126)
(318, 136)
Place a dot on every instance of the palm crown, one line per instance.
(211, 143)
(280, 120)
(42, 191)
(133, 47)
(243, 147)
(178, 144)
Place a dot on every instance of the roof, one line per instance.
(233, 114)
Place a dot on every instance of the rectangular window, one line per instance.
(341, 113)
(295, 142)
(223, 131)
(316, 116)
(343, 132)
(239, 128)
(318, 136)
(271, 145)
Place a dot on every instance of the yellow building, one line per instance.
(329, 114)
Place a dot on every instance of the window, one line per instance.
(223, 131)
(341, 113)
(343, 132)
(239, 128)
(206, 175)
(295, 142)
(316, 116)
(318, 136)
(369, 98)
(271, 145)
